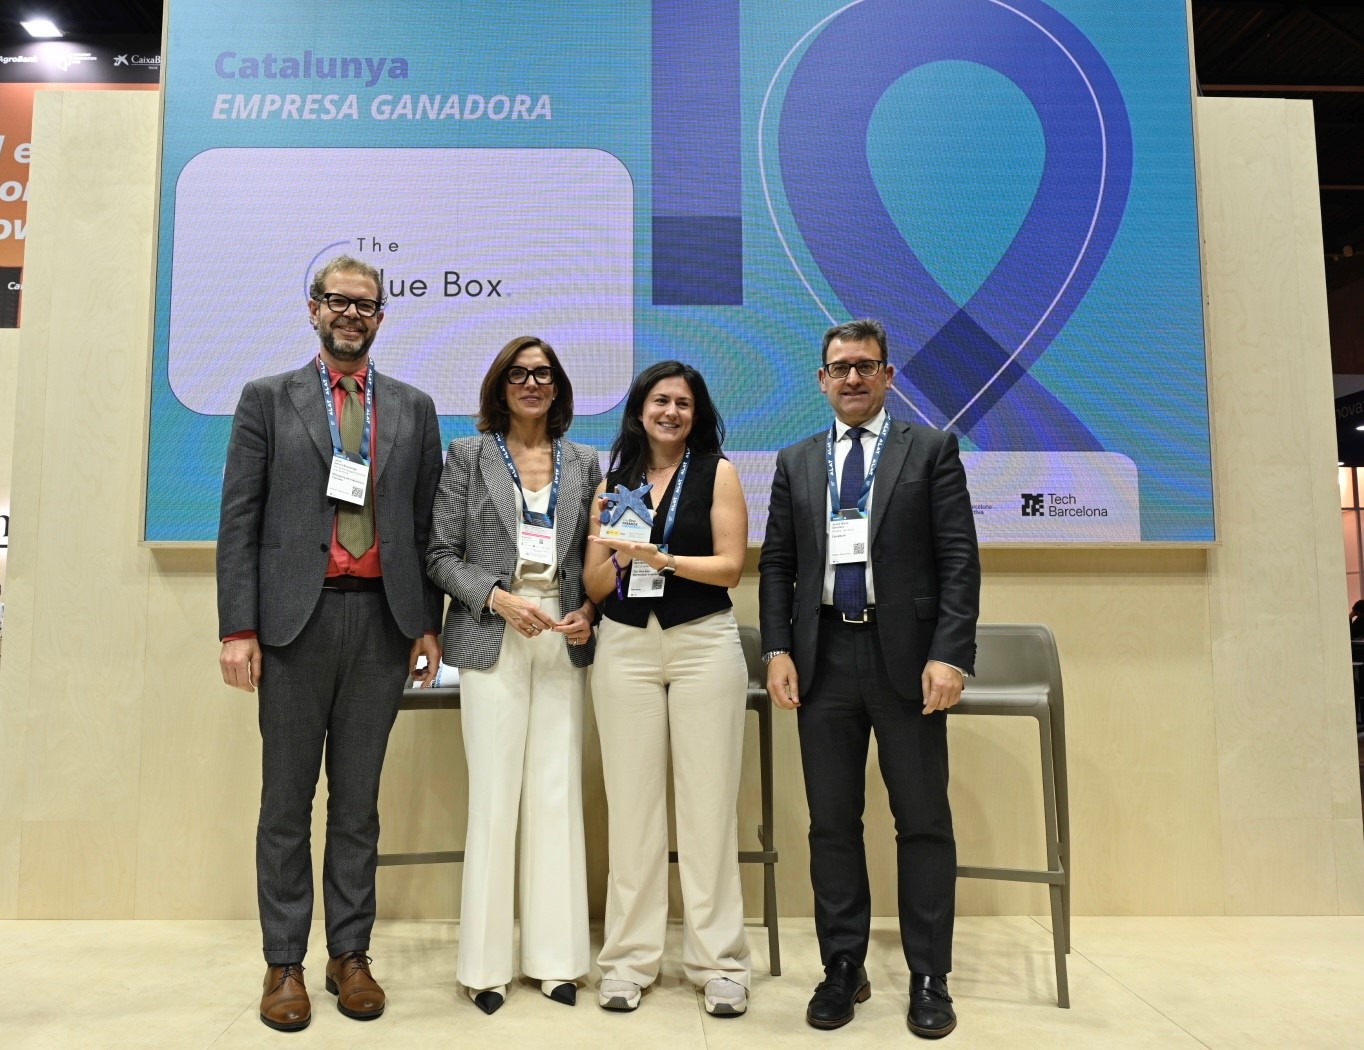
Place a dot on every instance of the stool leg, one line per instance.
(1060, 920)
(1058, 940)
(1058, 737)
(770, 918)
(766, 836)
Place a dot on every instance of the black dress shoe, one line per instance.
(930, 1007)
(566, 993)
(845, 983)
(488, 1002)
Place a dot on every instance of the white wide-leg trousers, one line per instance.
(523, 737)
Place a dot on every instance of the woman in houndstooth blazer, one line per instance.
(507, 536)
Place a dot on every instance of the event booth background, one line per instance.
(1209, 702)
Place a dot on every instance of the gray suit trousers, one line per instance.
(333, 690)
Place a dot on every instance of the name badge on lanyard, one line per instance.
(535, 543)
(847, 537)
(645, 582)
(848, 526)
(535, 531)
(348, 478)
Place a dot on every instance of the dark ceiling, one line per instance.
(1312, 50)
(83, 18)
(1298, 50)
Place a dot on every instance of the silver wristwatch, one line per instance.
(767, 657)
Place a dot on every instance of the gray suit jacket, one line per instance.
(924, 557)
(473, 544)
(275, 527)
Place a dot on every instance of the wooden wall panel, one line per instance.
(72, 675)
(83, 744)
(1131, 627)
(1277, 597)
(13, 733)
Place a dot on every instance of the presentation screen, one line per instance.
(1007, 185)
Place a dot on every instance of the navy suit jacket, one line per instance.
(924, 557)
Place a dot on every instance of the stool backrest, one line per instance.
(752, 641)
(1017, 655)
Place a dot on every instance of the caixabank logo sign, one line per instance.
(1059, 505)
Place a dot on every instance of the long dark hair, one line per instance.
(493, 414)
(630, 450)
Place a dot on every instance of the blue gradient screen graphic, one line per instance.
(1008, 185)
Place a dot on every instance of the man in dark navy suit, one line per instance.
(869, 596)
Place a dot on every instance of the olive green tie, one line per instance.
(354, 525)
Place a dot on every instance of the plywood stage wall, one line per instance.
(1209, 697)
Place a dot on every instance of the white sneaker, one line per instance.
(618, 995)
(725, 998)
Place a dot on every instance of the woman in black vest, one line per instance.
(669, 680)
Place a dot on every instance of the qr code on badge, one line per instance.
(656, 584)
(357, 492)
(860, 549)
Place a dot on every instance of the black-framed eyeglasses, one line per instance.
(544, 375)
(339, 304)
(840, 369)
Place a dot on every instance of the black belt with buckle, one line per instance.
(868, 617)
(353, 583)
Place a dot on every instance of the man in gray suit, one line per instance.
(869, 595)
(324, 603)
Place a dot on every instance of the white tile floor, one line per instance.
(1150, 982)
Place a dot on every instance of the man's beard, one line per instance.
(344, 353)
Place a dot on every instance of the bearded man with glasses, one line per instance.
(324, 603)
(869, 595)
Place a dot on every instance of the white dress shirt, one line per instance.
(842, 443)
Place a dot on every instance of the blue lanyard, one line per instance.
(671, 519)
(331, 409)
(834, 501)
(533, 517)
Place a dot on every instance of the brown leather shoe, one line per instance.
(284, 1002)
(358, 995)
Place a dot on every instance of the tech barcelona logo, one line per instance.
(1059, 505)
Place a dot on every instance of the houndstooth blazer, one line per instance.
(473, 544)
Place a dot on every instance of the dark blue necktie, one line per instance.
(850, 579)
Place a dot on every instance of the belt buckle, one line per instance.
(861, 621)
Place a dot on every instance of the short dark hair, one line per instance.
(630, 450)
(858, 331)
(346, 264)
(494, 416)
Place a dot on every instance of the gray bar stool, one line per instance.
(1018, 673)
(436, 698)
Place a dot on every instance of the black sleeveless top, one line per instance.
(683, 600)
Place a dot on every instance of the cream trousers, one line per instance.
(678, 693)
